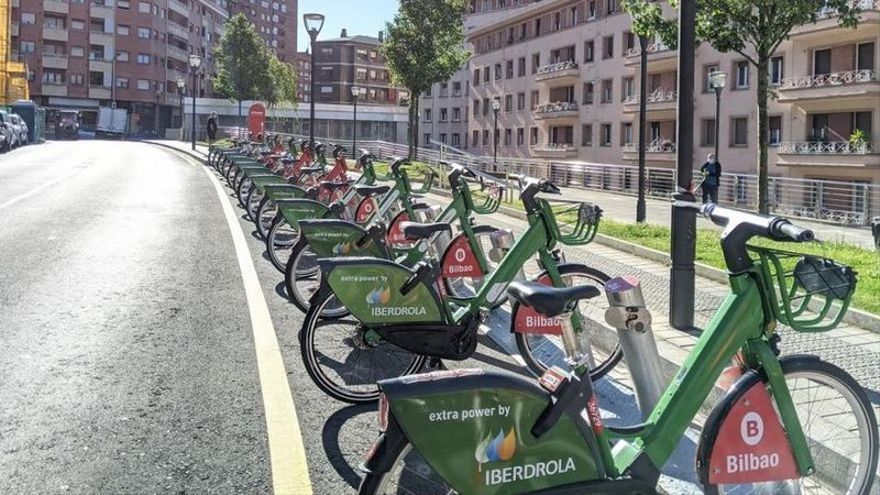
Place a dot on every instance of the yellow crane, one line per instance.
(13, 75)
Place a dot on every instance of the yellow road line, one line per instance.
(290, 474)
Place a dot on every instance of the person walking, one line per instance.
(711, 179)
(212, 127)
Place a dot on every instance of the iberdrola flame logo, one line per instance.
(342, 248)
(379, 296)
(498, 448)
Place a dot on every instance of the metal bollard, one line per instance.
(627, 313)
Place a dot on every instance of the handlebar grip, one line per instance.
(786, 229)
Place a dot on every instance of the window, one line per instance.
(708, 69)
(629, 42)
(520, 136)
(534, 100)
(774, 129)
(589, 47)
(326, 90)
(521, 101)
(510, 69)
(486, 106)
(426, 140)
(52, 77)
(78, 25)
(865, 56)
(538, 27)
(96, 52)
(557, 21)
(143, 59)
(123, 4)
(588, 93)
(77, 51)
(497, 72)
(536, 62)
(485, 137)
(143, 8)
(443, 137)
(96, 78)
(607, 90)
(444, 116)
(28, 18)
(533, 136)
(122, 30)
(610, 6)
(426, 114)
(608, 47)
(456, 139)
(626, 131)
(739, 127)
(776, 72)
(629, 88)
(521, 67)
(76, 79)
(591, 10)
(707, 132)
(486, 75)
(456, 114)
(587, 135)
(143, 84)
(144, 33)
(574, 15)
(508, 103)
(54, 22)
(456, 88)
(476, 77)
(122, 56)
(475, 138)
(327, 52)
(742, 74)
(476, 108)
(121, 82)
(508, 137)
(605, 135)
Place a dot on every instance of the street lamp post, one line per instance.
(355, 92)
(194, 62)
(496, 106)
(181, 84)
(314, 23)
(717, 81)
(156, 120)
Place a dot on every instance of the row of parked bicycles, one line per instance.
(391, 286)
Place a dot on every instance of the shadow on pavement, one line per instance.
(330, 438)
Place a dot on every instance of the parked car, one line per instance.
(11, 137)
(20, 128)
(68, 126)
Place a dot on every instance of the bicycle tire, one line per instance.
(805, 366)
(523, 343)
(271, 250)
(374, 483)
(265, 216)
(311, 359)
(294, 294)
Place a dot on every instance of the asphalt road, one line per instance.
(128, 358)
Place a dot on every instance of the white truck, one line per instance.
(112, 122)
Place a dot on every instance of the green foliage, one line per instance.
(752, 28)
(242, 61)
(424, 46)
(283, 83)
(858, 138)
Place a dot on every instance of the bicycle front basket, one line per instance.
(576, 223)
(809, 293)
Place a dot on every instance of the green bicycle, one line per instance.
(794, 424)
(399, 319)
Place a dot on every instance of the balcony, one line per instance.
(827, 18)
(14, 29)
(557, 110)
(658, 150)
(101, 38)
(177, 30)
(657, 52)
(99, 93)
(100, 65)
(179, 7)
(559, 72)
(827, 154)
(56, 6)
(101, 11)
(555, 150)
(54, 34)
(658, 100)
(830, 87)
(178, 54)
(53, 61)
(54, 89)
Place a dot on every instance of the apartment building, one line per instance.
(444, 112)
(566, 75)
(303, 66)
(347, 61)
(276, 22)
(126, 53)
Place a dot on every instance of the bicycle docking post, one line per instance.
(627, 313)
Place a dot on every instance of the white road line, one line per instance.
(290, 474)
(36, 190)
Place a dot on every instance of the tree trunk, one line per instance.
(409, 129)
(239, 113)
(763, 94)
(415, 153)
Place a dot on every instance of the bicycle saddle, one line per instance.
(415, 231)
(312, 170)
(370, 191)
(396, 163)
(287, 160)
(332, 186)
(550, 301)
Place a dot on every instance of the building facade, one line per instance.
(303, 76)
(444, 112)
(566, 75)
(348, 61)
(125, 53)
(276, 22)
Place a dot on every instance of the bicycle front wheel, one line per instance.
(840, 427)
(282, 236)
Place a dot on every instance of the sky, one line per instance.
(366, 17)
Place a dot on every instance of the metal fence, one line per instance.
(839, 202)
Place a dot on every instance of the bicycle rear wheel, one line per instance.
(282, 236)
(409, 474)
(541, 350)
(302, 278)
(840, 427)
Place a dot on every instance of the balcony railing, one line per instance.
(556, 149)
(659, 145)
(862, 5)
(652, 48)
(833, 79)
(659, 95)
(554, 70)
(556, 107)
(821, 148)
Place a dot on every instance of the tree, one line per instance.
(424, 46)
(752, 28)
(242, 60)
(281, 88)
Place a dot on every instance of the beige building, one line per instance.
(566, 75)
